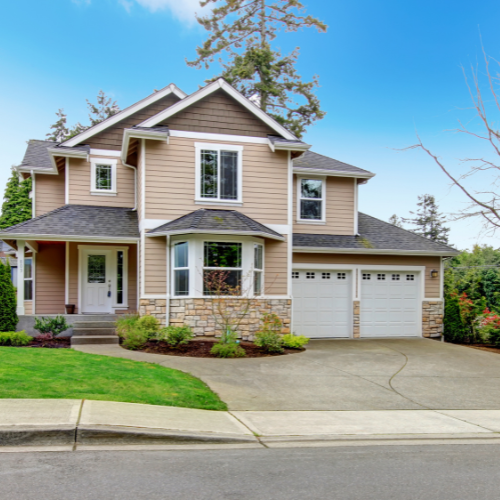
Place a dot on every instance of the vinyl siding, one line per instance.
(432, 285)
(49, 279)
(112, 137)
(170, 181)
(155, 265)
(339, 208)
(219, 113)
(28, 307)
(49, 192)
(80, 179)
(276, 267)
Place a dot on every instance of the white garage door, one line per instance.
(322, 303)
(390, 305)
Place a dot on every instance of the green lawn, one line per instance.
(63, 373)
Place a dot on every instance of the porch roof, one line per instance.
(71, 221)
(216, 222)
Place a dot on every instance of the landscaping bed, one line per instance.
(201, 349)
(484, 347)
(58, 343)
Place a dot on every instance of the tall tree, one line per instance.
(100, 111)
(17, 206)
(241, 32)
(428, 221)
(395, 220)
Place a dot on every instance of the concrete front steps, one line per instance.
(94, 329)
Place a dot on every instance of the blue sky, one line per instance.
(386, 69)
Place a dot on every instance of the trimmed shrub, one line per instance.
(8, 315)
(15, 338)
(125, 323)
(51, 327)
(150, 325)
(135, 338)
(175, 336)
(269, 341)
(228, 350)
(294, 341)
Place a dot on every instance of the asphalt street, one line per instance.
(444, 472)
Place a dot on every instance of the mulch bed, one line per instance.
(57, 343)
(201, 349)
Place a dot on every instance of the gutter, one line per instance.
(373, 251)
(260, 234)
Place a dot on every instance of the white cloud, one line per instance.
(183, 10)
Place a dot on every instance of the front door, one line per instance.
(97, 282)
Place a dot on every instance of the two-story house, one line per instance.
(133, 213)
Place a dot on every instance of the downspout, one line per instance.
(167, 310)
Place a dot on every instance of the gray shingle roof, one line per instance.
(80, 148)
(275, 139)
(315, 161)
(80, 220)
(217, 222)
(374, 234)
(36, 155)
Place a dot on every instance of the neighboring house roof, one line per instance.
(375, 236)
(79, 220)
(11, 260)
(314, 161)
(37, 155)
(216, 222)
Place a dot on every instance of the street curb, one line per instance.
(37, 436)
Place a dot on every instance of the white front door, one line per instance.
(322, 303)
(390, 304)
(97, 281)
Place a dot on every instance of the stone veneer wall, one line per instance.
(154, 307)
(356, 313)
(432, 318)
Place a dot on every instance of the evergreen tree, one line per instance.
(428, 221)
(8, 315)
(243, 30)
(59, 130)
(17, 206)
(103, 109)
(396, 221)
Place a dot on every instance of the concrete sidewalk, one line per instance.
(71, 423)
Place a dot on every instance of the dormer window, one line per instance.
(103, 176)
(311, 194)
(218, 173)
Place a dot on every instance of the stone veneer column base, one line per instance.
(356, 315)
(198, 314)
(432, 318)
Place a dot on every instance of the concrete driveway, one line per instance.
(389, 374)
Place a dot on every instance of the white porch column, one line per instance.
(20, 276)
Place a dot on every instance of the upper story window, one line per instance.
(311, 200)
(103, 176)
(218, 173)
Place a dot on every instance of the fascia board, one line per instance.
(169, 89)
(227, 233)
(62, 237)
(68, 154)
(335, 173)
(140, 134)
(212, 87)
(37, 170)
(371, 251)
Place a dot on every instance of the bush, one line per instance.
(15, 338)
(8, 315)
(269, 341)
(488, 326)
(51, 327)
(135, 338)
(228, 350)
(294, 341)
(150, 325)
(125, 323)
(175, 336)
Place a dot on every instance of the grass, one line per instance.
(66, 374)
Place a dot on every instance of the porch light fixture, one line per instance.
(434, 273)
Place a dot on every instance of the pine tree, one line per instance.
(428, 221)
(103, 109)
(8, 315)
(243, 31)
(396, 221)
(17, 206)
(59, 130)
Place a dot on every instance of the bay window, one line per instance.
(258, 266)
(28, 279)
(222, 268)
(218, 173)
(311, 199)
(181, 269)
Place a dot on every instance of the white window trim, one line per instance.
(199, 146)
(321, 221)
(103, 161)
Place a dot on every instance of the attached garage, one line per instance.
(390, 304)
(322, 303)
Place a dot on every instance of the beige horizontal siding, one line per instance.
(49, 192)
(28, 307)
(49, 278)
(155, 265)
(276, 267)
(432, 285)
(170, 181)
(219, 113)
(112, 137)
(79, 186)
(339, 208)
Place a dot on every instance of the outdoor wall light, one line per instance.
(434, 273)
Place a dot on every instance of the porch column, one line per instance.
(20, 276)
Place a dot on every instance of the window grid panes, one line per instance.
(103, 177)
(341, 276)
(119, 277)
(410, 277)
(311, 199)
(395, 277)
(222, 272)
(367, 276)
(310, 276)
(381, 277)
(326, 276)
(295, 275)
(181, 269)
(96, 272)
(219, 174)
(28, 279)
